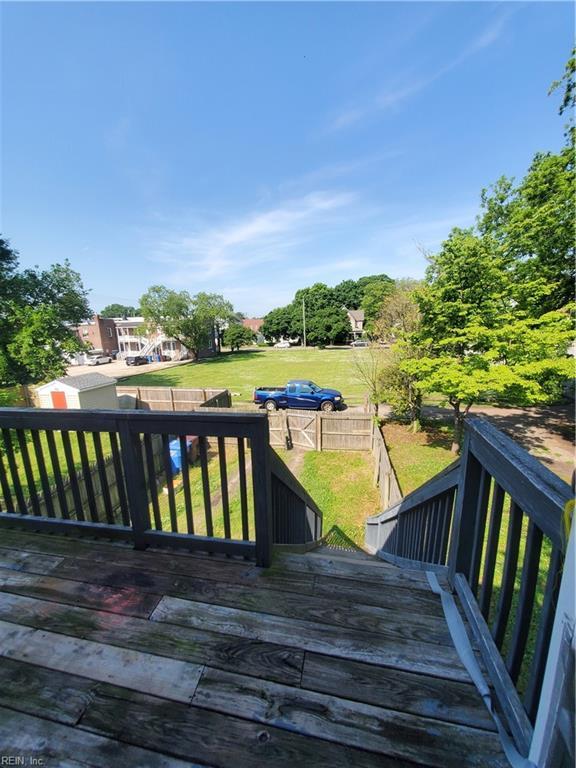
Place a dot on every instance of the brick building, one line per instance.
(100, 333)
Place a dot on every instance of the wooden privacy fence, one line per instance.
(384, 474)
(318, 431)
(172, 398)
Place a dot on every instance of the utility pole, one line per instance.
(304, 319)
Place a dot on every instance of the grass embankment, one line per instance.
(340, 482)
(241, 372)
(418, 456)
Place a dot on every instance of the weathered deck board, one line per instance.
(345, 722)
(338, 612)
(54, 744)
(441, 661)
(343, 662)
(223, 740)
(128, 601)
(253, 657)
(449, 700)
(160, 676)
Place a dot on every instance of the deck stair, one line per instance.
(321, 660)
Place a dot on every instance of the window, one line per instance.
(306, 389)
(109, 332)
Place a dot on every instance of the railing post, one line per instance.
(459, 558)
(131, 452)
(261, 479)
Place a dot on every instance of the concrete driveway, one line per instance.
(118, 368)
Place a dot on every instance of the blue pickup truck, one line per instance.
(299, 393)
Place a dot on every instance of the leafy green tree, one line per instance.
(277, 324)
(120, 310)
(348, 294)
(191, 320)
(479, 344)
(329, 325)
(38, 309)
(399, 313)
(398, 386)
(374, 295)
(568, 80)
(236, 336)
(533, 225)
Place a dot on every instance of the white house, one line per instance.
(356, 317)
(89, 390)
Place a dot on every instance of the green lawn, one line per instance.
(417, 457)
(241, 372)
(340, 482)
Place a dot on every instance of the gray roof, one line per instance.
(87, 381)
(357, 314)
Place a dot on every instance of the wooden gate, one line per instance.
(302, 429)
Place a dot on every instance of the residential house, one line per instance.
(255, 324)
(135, 339)
(356, 317)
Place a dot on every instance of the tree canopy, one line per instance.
(191, 320)
(38, 311)
(120, 310)
(236, 336)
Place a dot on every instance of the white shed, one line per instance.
(89, 390)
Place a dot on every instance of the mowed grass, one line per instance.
(417, 456)
(340, 482)
(241, 372)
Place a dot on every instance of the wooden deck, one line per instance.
(112, 657)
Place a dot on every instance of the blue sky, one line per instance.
(250, 149)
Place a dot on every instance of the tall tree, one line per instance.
(374, 295)
(191, 320)
(38, 309)
(120, 310)
(480, 345)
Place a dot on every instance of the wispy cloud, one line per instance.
(410, 85)
(257, 238)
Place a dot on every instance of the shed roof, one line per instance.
(82, 382)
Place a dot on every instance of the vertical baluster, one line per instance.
(55, 462)
(431, 530)
(30, 481)
(116, 459)
(508, 578)
(186, 485)
(169, 483)
(206, 485)
(459, 560)
(530, 567)
(547, 614)
(243, 490)
(418, 532)
(261, 483)
(491, 549)
(72, 475)
(445, 533)
(479, 529)
(8, 505)
(45, 483)
(151, 478)
(15, 476)
(224, 486)
(103, 478)
(87, 477)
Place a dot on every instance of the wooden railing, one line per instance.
(415, 531)
(128, 475)
(495, 522)
(384, 474)
(297, 518)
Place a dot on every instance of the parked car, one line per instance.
(299, 393)
(136, 360)
(282, 344)
(98, 360)
(360, 343)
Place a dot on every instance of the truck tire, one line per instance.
(327, 406)
(271, 405)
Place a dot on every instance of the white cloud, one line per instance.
(258, 238)
(392, 97)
